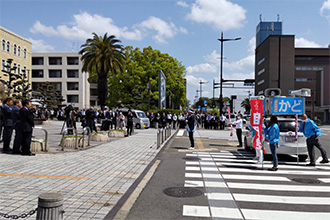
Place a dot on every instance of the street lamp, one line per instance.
(221, 58)
(200, 85)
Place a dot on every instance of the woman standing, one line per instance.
(272, 134)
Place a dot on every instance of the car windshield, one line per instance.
(285, 126)
(141, 114)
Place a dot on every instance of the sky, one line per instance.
(185, 29)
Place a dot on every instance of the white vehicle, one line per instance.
(140, 119)
(287, 143)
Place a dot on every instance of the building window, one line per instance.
(55, 73)
(73, 74)
(36, 86)
(55, 60)
(93, 92)
(73, 86)
(261, 71)
(19, 69)
(260, 92)
(261, 82)
(304, 58)
(15, 49)
(15, 67)
(24, 71)
(305, 79)
(261, 61)
(8, 46)
(3, 65)
(37, 61)
(24, 53)
(73, 61)
(57, 86)
(19, 51)
(3, 45)
(72, 99)
(37, 74)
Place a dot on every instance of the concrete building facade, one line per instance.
(18, 49)
(64, 72)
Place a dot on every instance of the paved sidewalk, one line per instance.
(106, 172)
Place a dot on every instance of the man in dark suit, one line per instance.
(17, 126)
(27, 123)
(8, 124)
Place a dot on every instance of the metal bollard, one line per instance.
(50, 206)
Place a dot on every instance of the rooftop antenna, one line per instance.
(260, 17)
(278, 17)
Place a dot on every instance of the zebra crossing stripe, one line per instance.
(292, 172)
(282, 199)
(180, 132)
(192, 168)
(226, 213)
(325, 180)
(193, 175)
(273, 187)
(284, 215)
(249, 177)
(196, 211)
(192, 183)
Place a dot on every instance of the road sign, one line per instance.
(199, 107)
(205, 102)
(203, 109)
(248, 84)
(288, 106)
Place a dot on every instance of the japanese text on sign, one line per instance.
(288, 105)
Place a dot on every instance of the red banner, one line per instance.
(256, 122)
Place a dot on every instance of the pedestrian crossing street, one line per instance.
(237, 187)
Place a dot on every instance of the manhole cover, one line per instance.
(191, 158)
(306, 181)
(182, 192)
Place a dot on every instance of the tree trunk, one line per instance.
(102, 89)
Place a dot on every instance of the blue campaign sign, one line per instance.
(199, 107)
(288, 106)
(205, 102)
(203, 109)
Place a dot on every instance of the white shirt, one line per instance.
(238, 123)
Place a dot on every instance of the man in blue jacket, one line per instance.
(312, 132)
(273, 134)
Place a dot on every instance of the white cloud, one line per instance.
(246, 63)
(202, 68)
(221, 14)
(213, 58)
(241, 76)
(183, 4)
(41, 46)
(194, 81)
(163, 29)
(302, 42)
(252, 45)
(325, 10)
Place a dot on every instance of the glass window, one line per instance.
(72, 99)
(55, 73)
(261, 82)
(93, 92)
(261, 61)
(15, 49)
(24, 53)
(73, 74)
(3, 45)
(73, 86)
(19, 69)
(37, 73)
(8, 46)
(35, 86)
(141, 114)
(261, 71)
(37, 61)
(73, 61)
(57, 86)
(55, 60)
(19, 51)
(14, 67)
(3, 65)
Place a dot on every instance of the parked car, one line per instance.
(287, 143)
(140, 120)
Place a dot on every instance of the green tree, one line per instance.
(50, 97)
(103, 56)
(246, 105)
(137, 86)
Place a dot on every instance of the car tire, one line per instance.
(302, 158)
(138, 126)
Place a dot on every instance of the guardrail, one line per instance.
(163, 134)
(65, 131)
(46, 137)
(88, 135)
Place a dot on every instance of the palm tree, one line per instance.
(246, 104)
(102, 55)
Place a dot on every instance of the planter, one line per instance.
(99, 136)
(38, 145)
(69, 141)
(38, 121)
(117, 133)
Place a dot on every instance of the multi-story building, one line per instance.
(16, 48)
(278, 64)
(64, 72)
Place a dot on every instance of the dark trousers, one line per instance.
(239, 136)
(26, 142)
(191, 138)
(273, 150)
(129, 128)
(18, 140)
(222, 125)
(7, 133)
(311, 142)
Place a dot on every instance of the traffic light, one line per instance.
(213, 104)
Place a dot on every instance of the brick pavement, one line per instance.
(111, 168)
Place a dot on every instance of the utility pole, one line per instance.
(200, 87)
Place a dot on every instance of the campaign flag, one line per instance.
(231, 126)
(256, 121)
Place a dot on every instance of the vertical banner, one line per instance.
(231, 126)
(256, 121)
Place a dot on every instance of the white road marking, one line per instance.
(226, 213)
(193, 175)
(303, 188)
(196, 211)
(191, 183)
(269, 164)
(292, 172)
(249, 177)
(215, 176)
(192, 168)
(325, 180)
(180, 132)
(284, 215)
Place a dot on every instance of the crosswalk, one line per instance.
(237, 187)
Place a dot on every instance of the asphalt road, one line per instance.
(232, 185)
